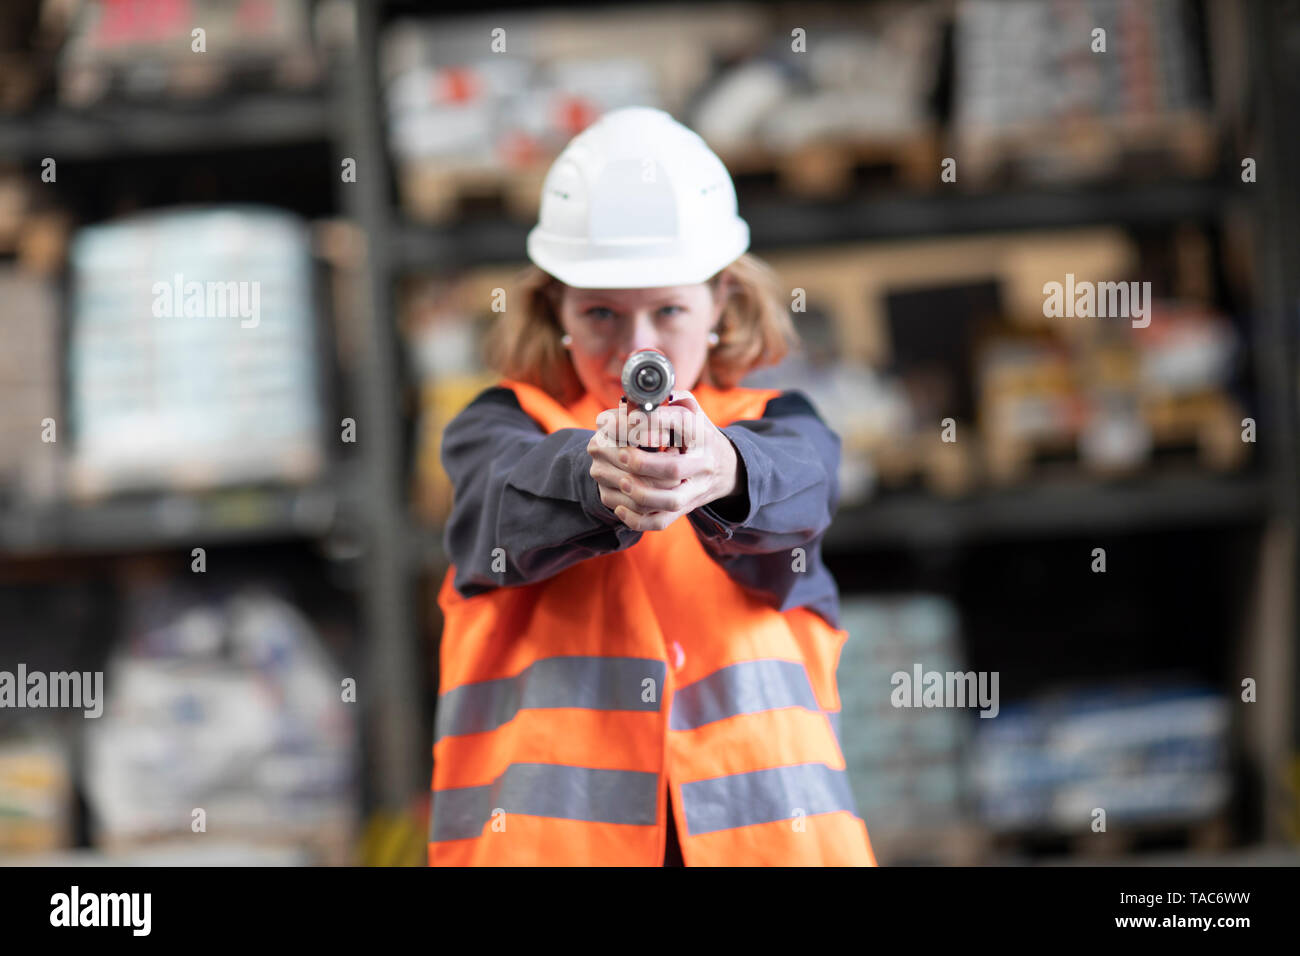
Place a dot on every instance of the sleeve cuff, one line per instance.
(707, 519)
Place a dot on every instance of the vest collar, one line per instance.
(723, 406)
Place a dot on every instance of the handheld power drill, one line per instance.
(648, 379)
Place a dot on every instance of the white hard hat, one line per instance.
(636, 201)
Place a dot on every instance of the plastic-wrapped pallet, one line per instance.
(1019, 60)
(904, 764)
(479, 105)
(193, 352)
(1034, 89)
(223, 702)
(452, 96)
(1140, 753)
(138, 50)
(872, 76)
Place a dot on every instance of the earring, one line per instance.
(713, 338)
(566, 340)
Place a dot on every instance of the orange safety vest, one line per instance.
(567, 706)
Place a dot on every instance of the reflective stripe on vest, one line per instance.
(764, 796)
(548, 790)
(553, 745)
(743, 688)
(595, 683)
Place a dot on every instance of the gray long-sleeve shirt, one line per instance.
(531, 494)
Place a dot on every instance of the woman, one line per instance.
(639, 648)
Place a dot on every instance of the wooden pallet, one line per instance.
(43, 242)
(1209, 420)
(1208, 423)
(436, 191)
(1212, 834)
(946, 469)
(827, 168)
(1181, 144)
(186, 78)
(89, 483)
(331, 843)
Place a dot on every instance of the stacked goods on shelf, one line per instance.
(862, 100)
(1109, 400)
(1037, 97)
(224, 701)
(898, 337)
(481, 106)
(903, 322)
(905, 763)
(146, 50)
(1187, 358)
(1029, 401)
(444, 321)
(29, 386)
(1148, 756)
(35, 795)
(923, 331)
(193, 352)
(868, 317)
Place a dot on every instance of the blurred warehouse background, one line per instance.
(242, 531)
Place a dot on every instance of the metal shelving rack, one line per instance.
(340, 118)
(262, 119)
(788, 223)
(921, 521)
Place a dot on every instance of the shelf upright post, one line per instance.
(1275, 30)
(389, 689)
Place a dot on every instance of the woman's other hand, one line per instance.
(649, 490)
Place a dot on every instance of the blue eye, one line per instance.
(667, 307)
(598, 308)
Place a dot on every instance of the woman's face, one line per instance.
(607, 324)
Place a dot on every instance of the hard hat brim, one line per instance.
(583, 267)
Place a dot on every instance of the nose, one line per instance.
(640, 333)
(643, 332)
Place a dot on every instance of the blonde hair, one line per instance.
(755, 330)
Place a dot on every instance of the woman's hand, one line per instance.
(649, 490)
